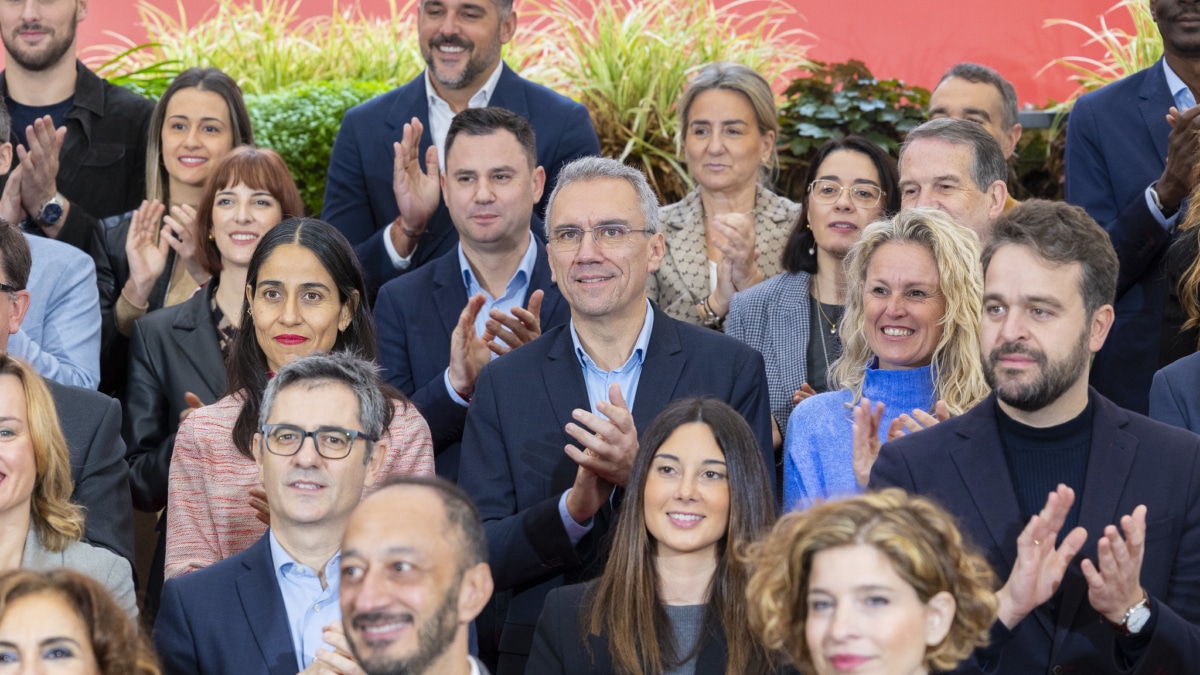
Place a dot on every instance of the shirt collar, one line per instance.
(639, 347)
(522, 276)
(479, 99)
(284, 564)
(1179, 89)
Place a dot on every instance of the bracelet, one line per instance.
(711, 319)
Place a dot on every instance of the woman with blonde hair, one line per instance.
(64, 622)
(910, 339)
(39, 526)
(880, 582)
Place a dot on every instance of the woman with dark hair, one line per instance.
(880, 583)
(178, 353)
(304, 293)
(40, 529)
(671, 598)
(61, 621)
(793, 318)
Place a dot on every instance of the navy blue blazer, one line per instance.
(1117, 147)
(415, 315)
(1175, 394)
(359, 200)
(514, 467)
(1134, 460)
(227, 618)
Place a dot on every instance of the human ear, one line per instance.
(939, 617)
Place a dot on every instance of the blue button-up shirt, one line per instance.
(1184, 99)
(598, 381)
(514, 296)
(309, 607)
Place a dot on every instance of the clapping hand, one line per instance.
(611, 444)
(520, 327)
(1114, 580)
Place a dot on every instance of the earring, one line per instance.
(812, 250)
(210, 237)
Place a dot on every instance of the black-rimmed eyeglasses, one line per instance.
(331, 442)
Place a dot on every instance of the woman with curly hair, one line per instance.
(910, 339)
(64, 622)
(880, 582)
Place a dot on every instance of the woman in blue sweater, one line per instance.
(910, 351)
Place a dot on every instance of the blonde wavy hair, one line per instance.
(957, 371)
(58, 522)
(917, 537)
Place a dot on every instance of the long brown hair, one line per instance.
(625, 605)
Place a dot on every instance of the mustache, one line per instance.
(361, 621)
(1009, 348)
(451, 40)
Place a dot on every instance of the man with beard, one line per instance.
(411, 586)
(396, 220)
(1122, 488)
(82, 140)
(273, 608)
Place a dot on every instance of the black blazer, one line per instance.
(415, 315)
(1134, 460)
(514, 467)
(172, 351)
(559, 647)
(91, 423)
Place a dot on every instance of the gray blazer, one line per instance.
(682, 280)
(101, 564)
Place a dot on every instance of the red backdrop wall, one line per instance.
(914, 40)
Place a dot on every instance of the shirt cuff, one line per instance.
(575, 531)
(398, 261)
(453, 394)
(1165, 222)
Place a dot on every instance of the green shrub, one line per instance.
(834, 101)
(300, 123)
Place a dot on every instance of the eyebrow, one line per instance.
(493, 169)
(664, 455)
(11, 419)
(391, 550)
(1027, 299)
(304, 286)
(864, 587)
(736, 120)
(857, 181)
(256, 193)
(202, 119)
(601, 223)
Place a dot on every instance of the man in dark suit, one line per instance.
(441, 324)
(273, 608)
(1130, 167)
(552, 429)
(90, 421)
(394, 228)
(1134, 600)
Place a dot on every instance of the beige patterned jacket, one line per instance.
(682, 280)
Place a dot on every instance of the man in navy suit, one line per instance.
(1129, 164)
(552, 428)
(393, 227)
(273, 608)
(1122, 487)
(441, 324)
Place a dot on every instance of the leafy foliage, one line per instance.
(836, 100)
(1125, 53)
(301, 122)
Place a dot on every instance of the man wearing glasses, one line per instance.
(553, 427)
(274, 607)
(957, 167)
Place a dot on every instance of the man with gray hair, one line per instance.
(955, 166)
(969, 91)
(273, 608)
(589, 386)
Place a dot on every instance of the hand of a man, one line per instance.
(588, 495)
(610, 446)
(1183, 145)
(469, 352)
(10, 202)
(340, 661)
(417, 193)
(1114, 580)
(520, 327)
(866, 438)
(40, 161)
(1040, 566)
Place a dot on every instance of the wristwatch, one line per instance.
(1136, 618)
(52, 211)
(1158, 202)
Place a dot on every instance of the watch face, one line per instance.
(50, 214)
(1137, 619)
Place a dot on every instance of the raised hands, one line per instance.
(417, 193)
(733, 235)
(520, 327)
(609, 448)
(183, 234)
(146, 249)
(40, 168)
(337, 662)
(10, 202)
(469, 352)
(1040, 565)
(866, 438)
(918, 420)
(1182, 147)
(1114, 580)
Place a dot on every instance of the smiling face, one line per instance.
(39, 35)
(937, 174)
(836, 227)
(18, 461)
(43, 633)
(295, 306)
(490, 189)
(306, 488)
(603, 283)
(460, 40)
(722, 143)
(1179, 24)
(864, 618)
(196, 134)
(241, 216)
(978, 102)
(404, 593)
(902, 306)
(686, 498)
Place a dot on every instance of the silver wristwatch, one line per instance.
(1136, 618)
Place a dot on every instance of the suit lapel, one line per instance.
(193, 332)
(449, 293)
(660, 370)
(565, 386)
(541, 279)
(410, 102)
(510, 94)
(1156, 99)
(262, 602)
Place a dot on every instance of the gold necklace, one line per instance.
(821, 310)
